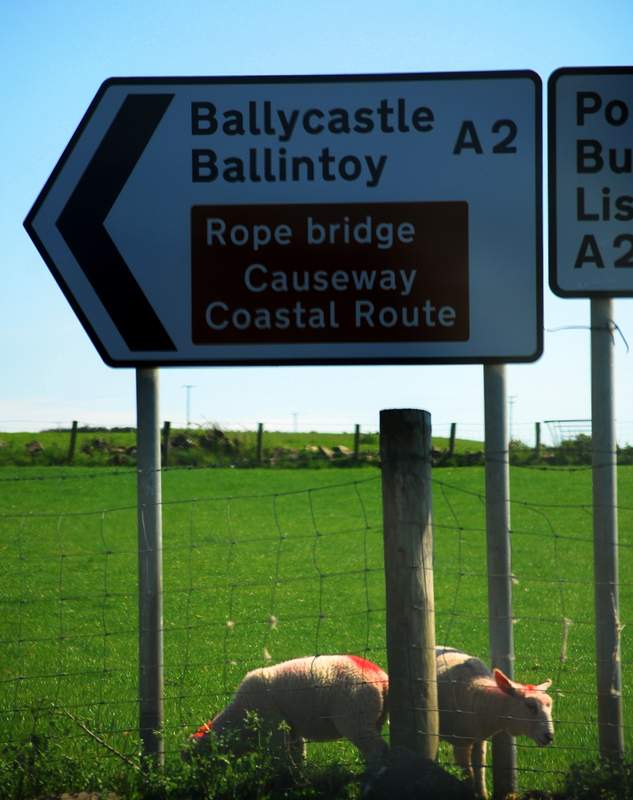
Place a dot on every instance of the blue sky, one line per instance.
(55, 55)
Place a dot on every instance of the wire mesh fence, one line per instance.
(265, 572)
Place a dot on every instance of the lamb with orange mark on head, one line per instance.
(475, 704)
(317, 698)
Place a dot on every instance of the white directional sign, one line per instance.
(591, 181)
(302, 220)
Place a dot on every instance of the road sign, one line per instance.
(591, 181)
(302, 220)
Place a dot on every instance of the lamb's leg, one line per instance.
(285, 741)
(479, 764)
(297, 750)
(366, 738)
(462, 754)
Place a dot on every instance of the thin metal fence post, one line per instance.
(605, 527)
(499, 559)
(405, 447)
(150, 572)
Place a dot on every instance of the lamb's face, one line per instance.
(538, 714)
(217, 734)
(531, 712)
(200, 740)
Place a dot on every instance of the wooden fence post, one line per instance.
(451, 441)
(405, 446)
(165, 448)
(73, 442)
(356, 442)
(537, 439)
(260, 441)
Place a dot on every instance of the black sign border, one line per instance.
(303, 79)
(552, 186)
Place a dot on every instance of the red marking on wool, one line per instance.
(202, 730)
(366, 666)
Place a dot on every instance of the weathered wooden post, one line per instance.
(165, 447)
(537, 440)
(356, 443)
(73, 442)
(451, 441)
(405, 446)
(260, 441)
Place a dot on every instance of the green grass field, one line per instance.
(273, 564)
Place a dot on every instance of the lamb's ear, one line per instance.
(543, 687)
(503, 682)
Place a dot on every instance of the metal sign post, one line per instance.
(499, 559)
(591, 255)
(150, 566)
(605, 526)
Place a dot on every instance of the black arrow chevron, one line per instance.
(81, 223)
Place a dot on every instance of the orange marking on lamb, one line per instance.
(202, 730)
(366, 666)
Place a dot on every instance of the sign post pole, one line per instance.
(150, 566)
(499, 558)
(590, 191)
(605, 531)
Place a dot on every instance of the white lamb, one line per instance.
(319, 698)
(475, 704)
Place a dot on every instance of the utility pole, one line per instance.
(511, 400)
(188, 387)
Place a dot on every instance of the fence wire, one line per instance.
(253, 580)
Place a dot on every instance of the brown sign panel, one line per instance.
(364, 272)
